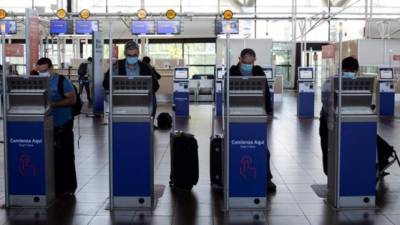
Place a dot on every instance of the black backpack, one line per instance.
(77, 107)
(164, 121)
(387, 156)
(82, 70)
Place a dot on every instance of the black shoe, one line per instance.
(271, 187)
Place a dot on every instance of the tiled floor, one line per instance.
(296, 165)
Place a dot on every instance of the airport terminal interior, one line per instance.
(212, 112)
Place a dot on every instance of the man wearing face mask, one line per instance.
(131, 66)
(61, 102)
(349, 70)
(246, 67)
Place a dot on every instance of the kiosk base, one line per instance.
(386, 104)
(133, 202)
(305, 105)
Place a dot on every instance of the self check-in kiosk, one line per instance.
(219, 78)
(29, 145)
(386, 90)
(246, 161)
(306, 92)
(269, 74)
(352, 144)
(132, 175)
(181, 91)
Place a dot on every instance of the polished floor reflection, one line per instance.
(296, 166)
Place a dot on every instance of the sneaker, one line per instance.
(271, 187)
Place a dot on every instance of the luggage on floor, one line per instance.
(164, 121)
(184, 160)
(387, 156)
(216, 149)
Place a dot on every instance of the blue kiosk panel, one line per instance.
(386, 103)
(132, 159)
(248, 160)
(26, 158)
(305, 104)
(358, 159)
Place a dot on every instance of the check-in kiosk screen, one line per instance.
(10, 26)
(220, 73)
(268, 73)
(386, 73)
(227, 27)
(168, 27)
(86, 26)
(181, 73)
(306, 73)
(142, 27)
(60, 27)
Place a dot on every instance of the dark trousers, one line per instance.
(269, 165)
(323, 134)
(64, 159)
(84, 82)
(154, 110)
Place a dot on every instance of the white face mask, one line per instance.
(45, 74)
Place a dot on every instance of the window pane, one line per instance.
(278, 30)
(281, 7)
(130, 6)
(162, 6)
(16, 6)
(200, 54)
(165, 51)
(92, 5)
(204, 6)
(201, 70)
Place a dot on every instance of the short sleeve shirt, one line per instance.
(61, 115)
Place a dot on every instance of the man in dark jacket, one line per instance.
(131, 66)
(246, 67)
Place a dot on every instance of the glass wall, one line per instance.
(200, 57)
(166, 51)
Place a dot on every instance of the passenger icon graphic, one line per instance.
(247, 169)
(25, 166)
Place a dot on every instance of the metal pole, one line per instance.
(110, 113)
(366, 18)
(27, 42)
(228, 74)
(294, 30)
(329, 21)
(4, 114)
(339, 131)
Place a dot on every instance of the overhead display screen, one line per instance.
(168, 27)
(86, 26)
(227, 27)
(142, 27)
(10, 26)
(61, 27)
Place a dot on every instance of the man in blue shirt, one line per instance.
(64, 159)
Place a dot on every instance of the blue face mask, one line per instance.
(248, 68)
(132, 60)
(351, 75)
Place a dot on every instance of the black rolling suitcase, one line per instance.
(216, 149)
(184, 161)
